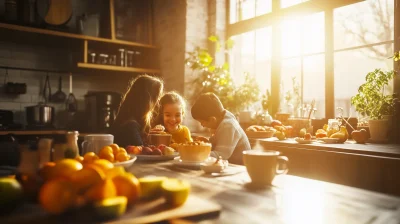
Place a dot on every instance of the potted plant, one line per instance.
(373, 101)
(214, 78)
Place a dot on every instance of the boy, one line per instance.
(229, 139)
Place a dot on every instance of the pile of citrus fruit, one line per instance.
(70, 183)
(112, 153)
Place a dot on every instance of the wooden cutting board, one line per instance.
(157, 210)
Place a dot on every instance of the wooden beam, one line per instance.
(85, 51)
(112, 19)
(275, 64)
(329, 66)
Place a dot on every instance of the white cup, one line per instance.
(95, 142)
(262, 166)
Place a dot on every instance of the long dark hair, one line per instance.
(171, 97)
(138, 102)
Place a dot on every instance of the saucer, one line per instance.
(189, 164)
(302, 141)
(329, 140)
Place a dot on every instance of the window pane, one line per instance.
(288, 3)
(263, 7)
(314, 83)
(291, 43)
(351, 67)
(314, 33)
(242, 58)
(248, 9)
(263, 58)
(233, 11)
(303, 35)
(290, 74)
(364, 23)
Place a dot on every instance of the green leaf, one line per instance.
(213, 38)
(229, 44)
(225, 66)
(211, 68)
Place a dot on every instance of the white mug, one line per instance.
(95, 142)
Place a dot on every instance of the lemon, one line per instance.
(151, 186)
(111, 207)
(175, 191)
(10, 193)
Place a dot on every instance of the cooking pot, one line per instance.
(40, 114)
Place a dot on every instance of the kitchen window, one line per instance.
(323, 47)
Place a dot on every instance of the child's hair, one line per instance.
(207, 105)
(139, 101)
(171, 97)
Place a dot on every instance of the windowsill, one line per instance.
(372, 149)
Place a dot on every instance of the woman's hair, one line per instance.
(171, 97)
(207, 105)
(139, 101)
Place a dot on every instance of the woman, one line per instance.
(135, 111)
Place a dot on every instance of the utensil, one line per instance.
(59, 96)
(59, 12)
(46, 90)
(71, 103)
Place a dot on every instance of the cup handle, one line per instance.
(282, 160)
(84, 143)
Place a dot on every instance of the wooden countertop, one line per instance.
(290, 199)
(350, 146)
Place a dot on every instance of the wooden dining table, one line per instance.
(290, 199)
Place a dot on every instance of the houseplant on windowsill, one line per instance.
(373, 101)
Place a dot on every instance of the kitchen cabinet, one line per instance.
(92, 43)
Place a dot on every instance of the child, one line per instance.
(229, 139)
(135, 111)
(172, 110)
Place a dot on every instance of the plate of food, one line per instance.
(329, 140)
(152, 153)
(258, 131)
(304, 141)
(192, 164)
(128, 163)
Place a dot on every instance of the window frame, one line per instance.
(303, 9)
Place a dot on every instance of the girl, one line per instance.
(171, 112)
(135, 111)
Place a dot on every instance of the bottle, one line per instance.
(72, 149)
(60, 144)
(44, 149)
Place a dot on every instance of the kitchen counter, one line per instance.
(350, 146)
(39, 132)
(369, 166)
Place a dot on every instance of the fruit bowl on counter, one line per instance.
(257, 131)
(194, 151)
(152, 153)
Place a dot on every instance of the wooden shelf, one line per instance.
(117, 68)
(71, 35)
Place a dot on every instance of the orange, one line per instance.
(121, 150)
(65, 167)
(104, 189)
(118, 170)
(127, 185)
(46, 171)
(57, 196)
(115, 148)
(90, 157)
(79, 159)
(88, 176)
(107, 156)
(103, 164)
(106, 150)
(121, 157)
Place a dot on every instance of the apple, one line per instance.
(157, 152)
(152, 147)
(162, 147)
(147, 151)
(360, 136)
(131, 149)
(307, 136)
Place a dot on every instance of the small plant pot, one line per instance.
(379, 130)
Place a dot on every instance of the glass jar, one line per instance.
(129, 58)
(112, 60)
(93, 58)
(72, 149)
(29, 161)
(60, 144)
(44, 148)
(103, 59)
(137, 58)
(121, 57)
